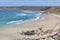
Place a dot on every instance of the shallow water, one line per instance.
(8, 17)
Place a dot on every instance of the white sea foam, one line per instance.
(28, 11)
(12, 22)
(40, 13)
(36, 18)
(20, 14)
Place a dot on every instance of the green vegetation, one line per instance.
(58, 38)
(58, 13)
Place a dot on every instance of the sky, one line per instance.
(29, 2)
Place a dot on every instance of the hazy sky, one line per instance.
(29, 2)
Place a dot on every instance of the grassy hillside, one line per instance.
(55, 10)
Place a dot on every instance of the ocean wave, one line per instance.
(28, 11)
(36, 18)
(12, 22)
(21, 21)
(20, 14)
(40, 13)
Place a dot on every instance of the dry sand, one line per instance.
(12, 33)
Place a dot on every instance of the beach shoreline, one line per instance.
(11, 33)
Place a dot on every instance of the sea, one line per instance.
(10, 17)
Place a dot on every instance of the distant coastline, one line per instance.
(46, 9)
(36, 8)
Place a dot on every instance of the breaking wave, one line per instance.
(22, 21)
(28, 11)
(20, 14)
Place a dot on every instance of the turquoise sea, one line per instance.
(8, 17)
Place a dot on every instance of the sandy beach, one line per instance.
(13, 32)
